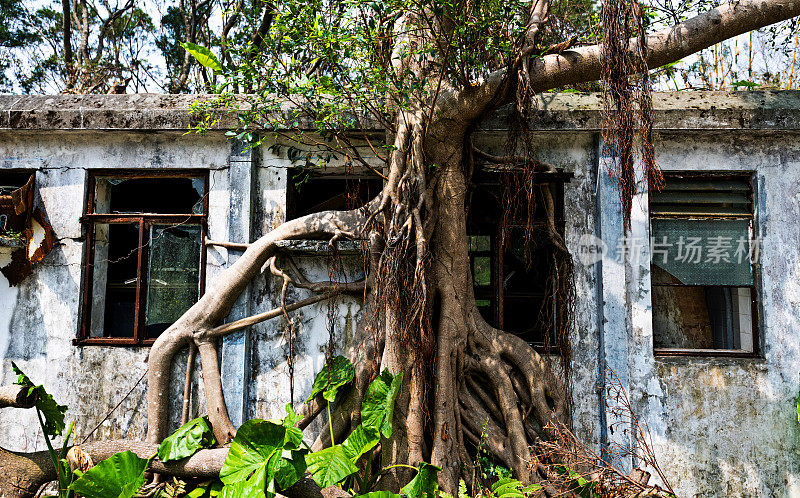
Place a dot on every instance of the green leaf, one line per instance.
(377, 410)
(203, 55)
(748, 84)
(291, 417)
(192, 436)
(330, 465)
(512, 488)
(378, 494)
(263, 448)
(119, 476)
(249, 488)
(360, 441)
(336, 373)
(52, 411)
(798, 408)
(210, 489)
(424, 484)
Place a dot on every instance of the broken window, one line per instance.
(25, 232)
(513, 280)
(703, 265)
(310, 191)
(144, 263)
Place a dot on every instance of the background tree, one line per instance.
(428, 73)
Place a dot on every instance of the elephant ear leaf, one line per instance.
(336, 373)
(203, 55)
(263, 454)
(425, 484)
(377, 410)
(329, 466)
(119, 476)
(52, 411)
(360, 441)
(190, 437)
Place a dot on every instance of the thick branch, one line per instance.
(15, 396)
(24, 473)
(669, 45)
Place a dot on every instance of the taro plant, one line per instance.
(51, 420)
(266, 456)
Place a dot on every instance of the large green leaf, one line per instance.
(424, 484)
(512, 488)
(264, 448)
(329, 466)
(336, 373)
(377, 410)
(378, 494)
(52, 411)
(190, 437)
(360, 441)
(250, 488)
(119, 476)
(203, 55)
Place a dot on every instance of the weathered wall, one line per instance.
(720, 427)
(728, 427)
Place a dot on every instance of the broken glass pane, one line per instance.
(149, 195)
(173, 274)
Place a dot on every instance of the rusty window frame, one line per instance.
(144, 220)
(748, 176)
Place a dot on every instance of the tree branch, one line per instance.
(15, 396)
(669, 45)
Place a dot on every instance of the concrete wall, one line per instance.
(719, 426)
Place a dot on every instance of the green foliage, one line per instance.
(210, 489)
(377, 410)
(578, 484)
(203, 55)
(119, 476)
(512, 488)
(263, 453)
(51, 420)
(425, 484)
(330, 466)
(192, 436)
(489, 469)
(336, 373)
(798, 408)
(360, 441)
(378, 494)
(52, 411)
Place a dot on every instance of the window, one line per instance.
(514, 284)
(313, 191)
(703, 265)
(144, 258)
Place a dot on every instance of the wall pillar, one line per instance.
(614, 323)
(236, 353)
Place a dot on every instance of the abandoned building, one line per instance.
(113, 219)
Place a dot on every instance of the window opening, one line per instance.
(145, 263)
(703, 265)
(514, 284)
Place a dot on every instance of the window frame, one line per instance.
(749, 176)
(144, 220)
(557, 182)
